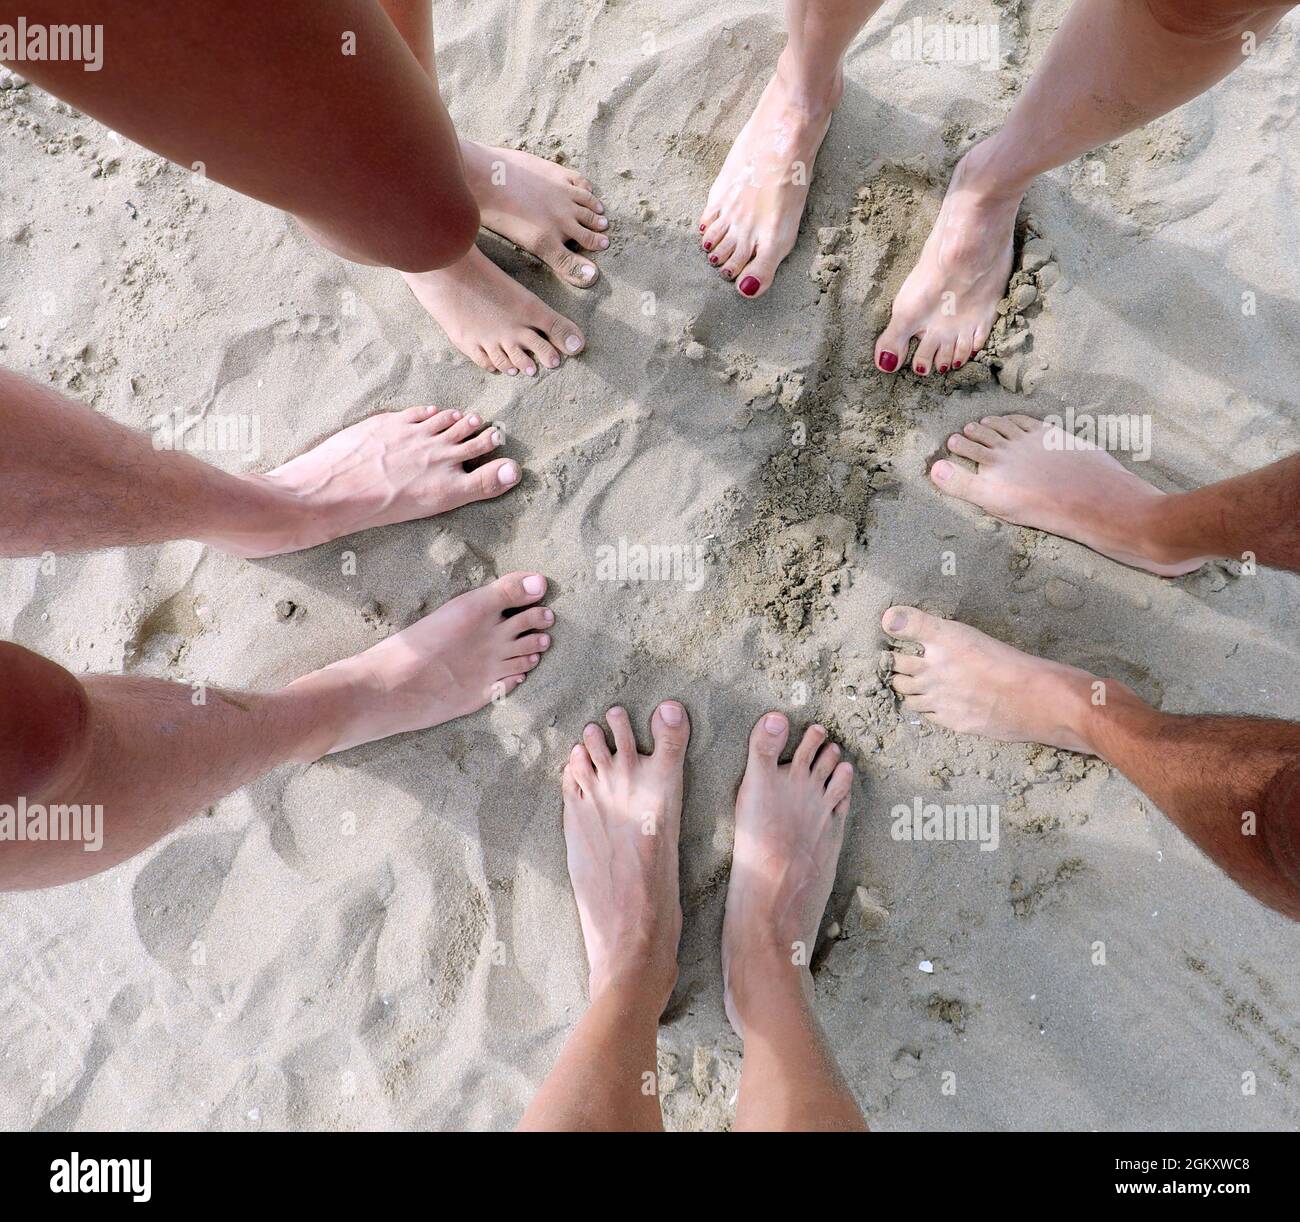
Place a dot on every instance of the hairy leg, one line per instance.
(71, 480)
(789, 830)
(622, 823)
(751, 220)
(1231, 784)
(313, 106)
(1112, 66)
(151, 753)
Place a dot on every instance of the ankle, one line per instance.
(991, 171)
(1112, 715)
(765, 973)
(263, 518)
(326, 703)
(1161, 533)
(634, 988)
(808, 88)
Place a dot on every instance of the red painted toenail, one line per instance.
(888, 362)
(920, 369)
(714, 260)
(701, 228)
(943, 368)
(956, 364)
(749, 286)
(708, 245)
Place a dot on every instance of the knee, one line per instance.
(1214, 20)
(429, 233)
(44, 724)
(1280, 823)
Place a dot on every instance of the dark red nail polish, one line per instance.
(726, 271)
(956, 364)
(701, 228)
(920, 369)
(708, 245)
(888, 362)
(943, 368)
(714, 260)
(749, 286)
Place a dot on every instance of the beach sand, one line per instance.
(262, 968)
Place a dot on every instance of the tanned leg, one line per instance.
(789, 829)
(71, 480)
(1231, 784)
(1113, 66)
(1035, 474)
(751, 220)
(266, 99)
(622, 823)
(152, 753)
(540, 206)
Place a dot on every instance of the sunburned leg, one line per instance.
(1035, 474)
(622, 821)
(151, 753)
(543, 208)
(71, 480)
(313, 106)
(1231, 784)
(1113, 66)
(789, 829)
(751, 219)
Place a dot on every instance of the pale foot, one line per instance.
(622, 821)
(498, 324)
(950, 298)
(789, 828)
(449, 664)
(751, 220)
(393, 467)
(539, 206)
(1035, 474)
(971, 684)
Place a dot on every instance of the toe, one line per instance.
(571, 267)
(768, 737)
(671, 729)
(532, 620)
(923, 361)
(581, 767)
(740, 255)
(909, 663)
(569, 786)
(541, 348)
(959, 444)
(621, 726)
(462, 429)
(825, 762)
(714, 235)
(908, 685)
(517, 589)
(500, 361)
(593, 738)
(943, 357)
(723, 251)
(494, 478)
(983, 434)
(520, 359)
(583, 197)
(564, 335)
(956, 481)
(757, 276)
(1003, 426)
(909, 624)
(1028, 423)
(534, 642)
(891, 347)
(478, 445)
(964, 349)
(589, 238)
(813, 737)
(839, 787)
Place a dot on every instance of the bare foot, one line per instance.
(393, 467)
(789, 828)
(751, 220)
(622, 820)
(1035, 474)
(539, 206)
(971, 684)
(449, 664)
(950, 298)
(498, 324)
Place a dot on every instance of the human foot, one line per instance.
(539, 206)
(390, 468)
(971, 684)
(495, 322)
(950, 298)
(1036, 474)
(751, 220)
(789, 828)
(475, 648)
(622, 819)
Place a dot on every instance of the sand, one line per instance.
(263, 969)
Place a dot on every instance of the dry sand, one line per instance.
(260, 969)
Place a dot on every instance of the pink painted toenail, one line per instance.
(749, 286)
(534, 585)
(888, 361)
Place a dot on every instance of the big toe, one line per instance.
(956, 481)
(892, 346)
(767, 739)
(909, 624)
(565, 335)
(671, 728)
(517, 589)
(493, 478)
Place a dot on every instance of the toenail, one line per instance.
(728, 273)
(714, 260)
(455, 415)
(701, 228)
(671, 713)
(544, 641)
(511, 372)
(888, 361)
(943, 368)
(588, 271)
(601, 222)
(708, 245)
(548, 617)
(573, 343)
(496, 433)
(508, 475)
(896, 622)
(942, 470)
(473, 422)
(534, 658)
(531, 370)
(774, 723)
(603, 243)
(553, 362)
(749, 286)
(534, 585)
(956, 364)
(920, 369)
